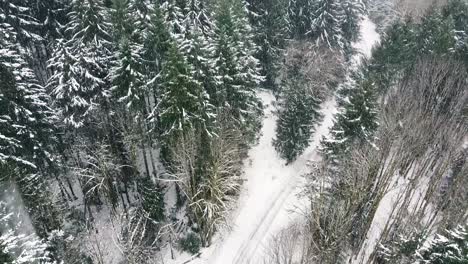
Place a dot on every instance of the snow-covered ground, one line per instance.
(268, 200)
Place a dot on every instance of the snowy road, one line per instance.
(268, 200)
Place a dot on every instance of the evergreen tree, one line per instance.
(269, 20)
(299, 18)
(435, 35)
(128, 77)
(197, 45)
(327, 19)
(88, 63)
(27, 134)
(451, 248)
(238, 68)
(152, 199)
(156, 43)
(297, 114)
(357, 120)
(183, 101)
(51, 16)
(197, 16)
(19, 16)
(353, 10)
(128, 73)
(458, 11)
(27, 120)
(173, 17)
(396, 51)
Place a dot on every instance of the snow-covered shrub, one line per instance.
(190, 243)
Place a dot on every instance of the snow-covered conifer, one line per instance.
(326, 21)
(238, 68)
(89, 49)
(357, 121)
(298, 111)
(183, 100)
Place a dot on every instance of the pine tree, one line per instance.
(327, 19)
(298, 111)
(357, 121)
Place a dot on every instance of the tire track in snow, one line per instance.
(251, 244)
(263, 225)
(240, 246)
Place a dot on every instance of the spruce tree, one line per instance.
(183, 100)
(197, 15)
(128, 72)
(357, 120)
(128, 77)
(173, 16)
(18, 15)
(27, 140)
(327, 19)
(152, 199)
(451, 248)
(89, 47)
(197, 45)
(156, 43)
(299, 18)
(353, 10)
(298, 111)
(238, 68)
(269, 25)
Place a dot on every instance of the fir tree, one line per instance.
(357, 121)
(297, 114)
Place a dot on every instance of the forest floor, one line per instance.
(270, 198)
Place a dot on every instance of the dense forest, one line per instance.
(187, 131)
